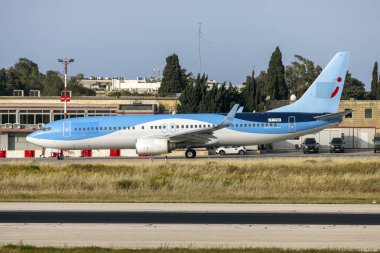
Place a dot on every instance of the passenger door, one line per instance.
(67, 129)
(292, 124)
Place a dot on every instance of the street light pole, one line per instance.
(65, 62)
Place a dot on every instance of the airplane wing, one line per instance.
(333, 115)
(203, 134)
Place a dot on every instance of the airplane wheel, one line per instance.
(60, 157)
(241, 152)
(190, 153)
(221, 152)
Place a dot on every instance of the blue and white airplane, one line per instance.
(159, 134)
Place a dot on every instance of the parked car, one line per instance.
(376, 143)
(337, 145)
(231, 150)
(310, 145)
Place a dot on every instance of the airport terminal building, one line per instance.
(20, 116)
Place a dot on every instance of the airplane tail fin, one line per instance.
(323, 96)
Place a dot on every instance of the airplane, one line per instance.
(160, 134)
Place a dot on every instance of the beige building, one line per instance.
(20, 116)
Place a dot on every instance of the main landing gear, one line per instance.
(190, 153)
(60, 156)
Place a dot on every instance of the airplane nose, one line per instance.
(31, 139)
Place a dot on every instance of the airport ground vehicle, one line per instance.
(310, 145)
(231, 150)
(376, 143)
(337, 145)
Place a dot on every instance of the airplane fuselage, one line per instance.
(123, 131)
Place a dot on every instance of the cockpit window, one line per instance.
(45, 129)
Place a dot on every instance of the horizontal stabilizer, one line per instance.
(334, 115)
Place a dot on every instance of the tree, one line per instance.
(275, 85)
(353, 88)
(28, 75)
(300, 74)
(192, 95)
(172, 81)
(52, 84)
(375, 83)
(248, 92)
(3, 83)
(259, 97)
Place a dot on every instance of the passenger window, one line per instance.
(155, 127)
(142, 127)
(133, 128)
(182, 126)
(80, 129)
(187, 126)
(151, 127)
(119, 128)
(128, 128)
(75, 129)
(159, 127)
(177, 126)
(191, 126)
(204, 126)
(195, 126)
(96, 128)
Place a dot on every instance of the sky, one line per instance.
(129, 38)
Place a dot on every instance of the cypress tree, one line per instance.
(192, 95)
(375, 82)
(172, 81)
(275, 84)
(248, 92)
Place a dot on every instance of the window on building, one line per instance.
(348, 116)
(368, 113)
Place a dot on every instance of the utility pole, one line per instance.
(199, 47)
(65, 62)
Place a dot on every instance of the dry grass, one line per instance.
(289, 180)
(31, 249)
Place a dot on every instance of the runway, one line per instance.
(189, 218)
(152, 225)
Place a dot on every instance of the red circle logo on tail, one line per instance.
(339, 79)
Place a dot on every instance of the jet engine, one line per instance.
(153, 146)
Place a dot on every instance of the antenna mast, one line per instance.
(199, 47)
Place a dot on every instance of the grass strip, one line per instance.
(277, 180)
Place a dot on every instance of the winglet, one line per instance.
(240, 109)
(230, 117)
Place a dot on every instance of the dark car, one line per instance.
(310, 145)
(376, 143)
(336, 145)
